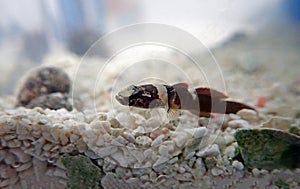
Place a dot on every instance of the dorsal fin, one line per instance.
(210, 92)
(181, 85)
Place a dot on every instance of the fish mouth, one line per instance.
(123, 100)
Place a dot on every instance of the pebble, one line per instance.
(23, 167)
(143, 141)
(180, 138)
(148, 152)
(211, 151)
(249, 115)
(159, 164)
(106, 151)
(128, 136)
(184, 177)
(200, 164)
(197, 132)
(157, 141)
(173, 160)
(238, 123)
(139, 131)
(238, 165)
(42, 81)
(234, 116)
(255, 172)
(91, 154)
(189, 156)
(216, 171)
(163, 151)
(21, 156)
(126, 120)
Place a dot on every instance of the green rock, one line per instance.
(81, 172)
(268, 148)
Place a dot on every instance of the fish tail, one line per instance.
(234, 107)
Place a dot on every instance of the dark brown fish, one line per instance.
(202, 102)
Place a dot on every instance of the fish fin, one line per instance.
(181, 85)
(173, 113)
(205, 114)
(234, 107)
(210, 92)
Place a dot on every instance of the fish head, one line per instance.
(144, 96)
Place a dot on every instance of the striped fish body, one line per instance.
(202, 102)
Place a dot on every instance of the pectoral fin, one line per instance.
(173, 114)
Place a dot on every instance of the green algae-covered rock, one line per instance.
(268, 148)
(81, 172)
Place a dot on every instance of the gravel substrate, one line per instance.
(106, 145)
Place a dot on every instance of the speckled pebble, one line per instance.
(143, 141)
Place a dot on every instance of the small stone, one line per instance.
(234, 116)
(210, 162)
(128, 136)
(115, 123)
(184, 177)
(238, 165)
(91, 154)
(127, 121)
(180, 138)
(143, 141)
(73, 138)
(173, 160)
(238, 123)
(21, 156)
(159, 164)
(157, 141)
(211, 151)
(163, 151)
(121, 140)
(247, 114)
(159, 131)
(117, 131)
(139, 131)
(144, 177)
(229, 139)
(200, 164)
(54, 101)
(197, 132)
(3, 154)
(106, 151)
(24, 166)
(216, 171)
(42, 81)
(255, 172)
(277, 122)
(189, 156)
(148, 153)
(9, 159)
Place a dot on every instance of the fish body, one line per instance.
(202, 102)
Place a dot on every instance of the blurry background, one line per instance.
(31, 30)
